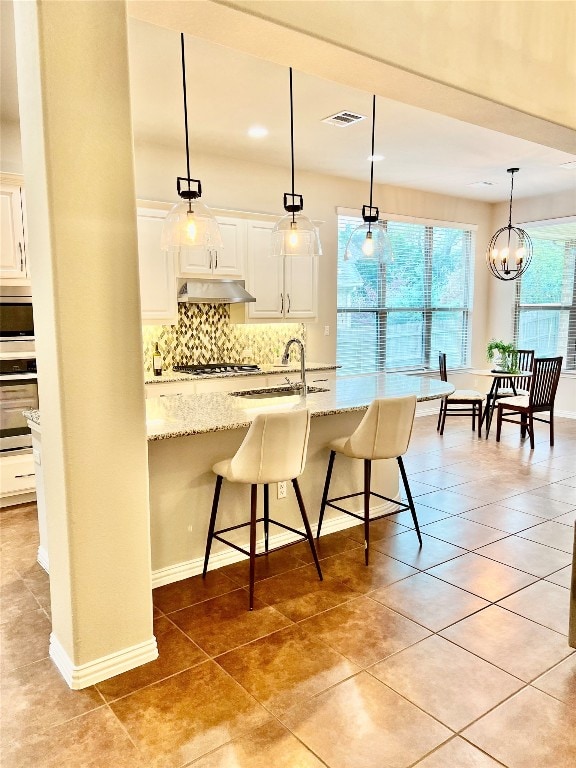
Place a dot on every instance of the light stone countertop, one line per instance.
(265, 369)
(179, 415)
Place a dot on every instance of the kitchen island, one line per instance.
(187, 434)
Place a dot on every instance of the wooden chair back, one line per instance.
(442, 366)
(545, 378)
(525, 363)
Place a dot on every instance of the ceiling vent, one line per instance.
(481, 184)
(344, 118)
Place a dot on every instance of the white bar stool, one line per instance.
(383, 433)
(274, 450)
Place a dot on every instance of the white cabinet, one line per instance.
(285, 288)
(157, 275)
(13, 263)
(17, 477)
(227, 261)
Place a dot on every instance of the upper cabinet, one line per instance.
(13, 261)
(227, 261)
(157, 274)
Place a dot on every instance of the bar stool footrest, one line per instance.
(217, 536)
(401, 506)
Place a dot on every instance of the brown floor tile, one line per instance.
(330, 545)
(424, 514)
(224, 622)
(25, 639)
(375, 727)
(542, 602)
(488, 493)
(276, 562)
(463, 533)
(344, 629)
(270, 746)
(379, 529)
(528, 556)
(562, 577)
(536, 505)
(449, 501)
(405, 547)
(176, 652)
(513, 643)
(558, 492)
(457, 753)
(502, 518)
(181, 594)
(429, 601)
(286, 668)
(188, 715)
(560, 681)
(544, 732)
(439, 478)
(15, 598)
(349, 569)
(418, 488)
(300, 594)
(482, 576)
(20, 558)
(449, 683)
(551, 533)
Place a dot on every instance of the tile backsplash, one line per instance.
(205, 335)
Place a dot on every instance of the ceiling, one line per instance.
(229, 91)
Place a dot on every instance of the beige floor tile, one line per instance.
(551, 533)
(375, 726)
(558, 492)
(224, 622)
(502, 518)
(94, 740)
(447, 682)
(544, 732)
(181, 594)
(449, 501)
(344, 629)
(487, 492)
(571, 481)
(176, 652)
(463, 533)
(406, 548)
(457, 753)
(271, 746)
(563, 577)
(429, 601)
(513, 643)
(481, 576)
(569, 518)
(286, 668)
(349, 568)
(439, 478)
(536, 505)
(542, 602)
(560, 681)
(188, 715)
(24, 639)
(528, 556)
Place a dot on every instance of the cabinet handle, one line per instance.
(210, 254)
(282, 300)
(288, 296)
(18, 477)
(216, 259)
(21, 257)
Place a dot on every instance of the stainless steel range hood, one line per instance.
(213, 292)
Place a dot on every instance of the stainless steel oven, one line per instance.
(16, 321)
(18, 392)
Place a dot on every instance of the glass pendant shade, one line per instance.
(369, 243)
(190, 224)
(295, 235)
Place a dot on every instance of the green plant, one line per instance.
(508, 355)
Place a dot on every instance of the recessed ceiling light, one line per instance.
(570, 166)
(375, 158)
(481, 184)
(257, 132)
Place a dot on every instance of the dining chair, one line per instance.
(541, 396)
(519, 383)
(469, 398)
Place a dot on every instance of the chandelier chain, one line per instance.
(292, 138)
(185, 107)
(372, 153)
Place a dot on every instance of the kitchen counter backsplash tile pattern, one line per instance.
(204, 335)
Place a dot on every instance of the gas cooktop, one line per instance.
(201, 369)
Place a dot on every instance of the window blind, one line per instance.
(545, 306)
(400, 315)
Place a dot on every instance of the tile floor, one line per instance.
(453, 656)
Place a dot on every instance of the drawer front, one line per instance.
(17, 474)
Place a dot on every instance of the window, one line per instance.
(545, 311)
(400, 315)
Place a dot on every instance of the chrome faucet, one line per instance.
(302, 385)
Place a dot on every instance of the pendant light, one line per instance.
(509, 252)
(294, 234)
(189, 224)
(370, 240)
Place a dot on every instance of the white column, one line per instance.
(78, 169)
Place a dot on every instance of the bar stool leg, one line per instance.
(367, 473)
(410, 499)
(499, 424)
(440, 414)
(266, 516)
(325, 494)
(253, 502)
(480, 419)
(444, 412)
(212, 525)
(307, 526)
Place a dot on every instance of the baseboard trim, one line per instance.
(84, 675)
(42, 558)
(189, 568)
(566, 414)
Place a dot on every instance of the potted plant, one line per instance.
(508, 356)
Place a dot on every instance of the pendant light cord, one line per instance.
(185, 111)
(372, 156)
(512, 172)
(292, 139)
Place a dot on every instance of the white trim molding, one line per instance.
(84, 675)
(42, 558)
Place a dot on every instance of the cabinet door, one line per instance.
(301, 287)
(229, 260)
(157, 279)
(12, 246)
(264, 273)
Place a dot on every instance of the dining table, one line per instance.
(500, 379)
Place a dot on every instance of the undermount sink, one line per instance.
(258, 394)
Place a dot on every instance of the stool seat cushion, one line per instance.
(511, 402)
(466, 394)
(222, 468)
(508, 392)
(339, 445)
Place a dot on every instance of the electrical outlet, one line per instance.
(326, 330)
(282, 490)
